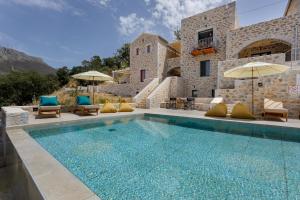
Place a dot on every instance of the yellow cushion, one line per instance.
(219, 110)
(125, 107)
(108, 108)
(241, 111)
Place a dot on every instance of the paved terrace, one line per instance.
(66, 117)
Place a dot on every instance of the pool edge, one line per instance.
(49, 176)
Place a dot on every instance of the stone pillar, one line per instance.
(14, 116)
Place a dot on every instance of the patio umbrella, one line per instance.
(253, 70)
(93, 76)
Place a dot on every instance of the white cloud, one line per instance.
(57, 5)
(170, 12)
(147, 2)
(99, 2)
(134, 24)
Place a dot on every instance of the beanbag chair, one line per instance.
(125, 107)
(219, 110)
(241, 111)
(108, 108)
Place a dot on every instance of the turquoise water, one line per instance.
(159, 157)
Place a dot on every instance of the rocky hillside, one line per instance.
(11, 59)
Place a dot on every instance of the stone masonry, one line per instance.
(221, 20)
(274, 41)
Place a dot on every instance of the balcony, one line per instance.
(205, 46)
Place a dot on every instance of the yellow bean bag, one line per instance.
(219, 110)
(241, 111)
(108, 108)
(125, 107)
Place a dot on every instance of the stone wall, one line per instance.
(177, 88)
(12, 116)
(223, 66)
(171, 64)
(280, 29)
(221, 20)
(293, 7)
(153, 61)
(124, 90)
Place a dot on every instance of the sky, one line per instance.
(65, 32)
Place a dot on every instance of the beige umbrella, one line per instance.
(253, 70)
(93, 76)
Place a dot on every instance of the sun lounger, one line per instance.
(48, 106)
(275, 108)
(83, 104)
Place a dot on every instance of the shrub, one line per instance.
(22, 88)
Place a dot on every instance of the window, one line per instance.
(143, 75)
(137, 51)
(205, 68)
(205, 34)
(148, 48)
(205, 39)
(194, 93)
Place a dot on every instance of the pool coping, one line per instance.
(51, 178)
(55, 181)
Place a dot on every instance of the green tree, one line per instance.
(20, 88)
(123, 55)
(96, 63)
(177, 34)
(63, 76)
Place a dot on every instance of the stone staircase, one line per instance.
(141, 98)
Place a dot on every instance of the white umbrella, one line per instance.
(253, 70)
(93, 76)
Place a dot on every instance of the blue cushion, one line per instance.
(83, 100)
(48, 101)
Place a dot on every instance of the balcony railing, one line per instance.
(205, 46)
(206, 43)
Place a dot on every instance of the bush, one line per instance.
(22, 88)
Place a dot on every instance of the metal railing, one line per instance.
(206, 43)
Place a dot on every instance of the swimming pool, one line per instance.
(164, 157)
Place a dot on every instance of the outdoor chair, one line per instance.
(49, 105)
(180, 103)
(275, 108)
(83, 104)
(172, 103)
(190, 103)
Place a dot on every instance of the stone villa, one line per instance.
(211, 43)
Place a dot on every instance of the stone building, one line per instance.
(211, 43)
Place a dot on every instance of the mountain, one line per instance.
(11, 59)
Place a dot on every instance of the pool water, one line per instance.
(159, 157)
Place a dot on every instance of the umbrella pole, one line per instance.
(93, 89)
(252, 93)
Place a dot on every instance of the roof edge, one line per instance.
(287, 8)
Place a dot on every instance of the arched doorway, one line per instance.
(266, 47)
(174, 72)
